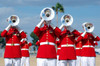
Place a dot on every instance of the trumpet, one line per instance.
(88, 27)
(13, 20)
(67, 20)
(47, 14)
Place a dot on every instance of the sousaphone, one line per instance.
(47, 14)
(13, 20)
(88, 27)
(67, 20)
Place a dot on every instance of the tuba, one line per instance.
(88, 27)
(67, 20)
(47, 14)
(13, 20)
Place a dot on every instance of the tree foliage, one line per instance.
(2, 41)
(58, 8)
(34, 37)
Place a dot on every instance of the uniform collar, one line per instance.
(47, 26)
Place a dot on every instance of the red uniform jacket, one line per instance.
(67, 39)
(13, 37)
(78, 48)
(25, 48)
(47, 37)
(88, 45)
(58, 47)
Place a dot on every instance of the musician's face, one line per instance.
(13, 19)
(44, 22)
(83, 28)
(65, 27)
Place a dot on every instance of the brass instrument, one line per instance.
(67, 20)
(13, 20)
(88, 27)
(47, 14)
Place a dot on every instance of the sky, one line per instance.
(29, 13)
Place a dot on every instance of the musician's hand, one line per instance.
(8, 27)
(83, 34)
(40, 24)
(61, 26)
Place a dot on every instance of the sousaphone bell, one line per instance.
(13, 20)
(67, 20)
(88, 27)
(47, 14)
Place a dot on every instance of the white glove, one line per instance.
(40, 24)
(19, 29)
(61, 26)
(52, 25)
(94, 41)
(94, 35)
(8, 27)
(83, 34)
(24, 39)
(57, 39)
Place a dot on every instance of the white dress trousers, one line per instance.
(78, 61)
(58, 63)
(12, 61)
(46, 62)
(65, 62)
(25, 61)
(88, 61)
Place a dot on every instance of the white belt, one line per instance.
(48, 43)
(24, 49)
(58, 48)
(78, 48)
(12, 44)
(88, 46)
(67, 45)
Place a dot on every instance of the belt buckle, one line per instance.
(67, 44)
(89, 46)
(48, 43)
(12, 44)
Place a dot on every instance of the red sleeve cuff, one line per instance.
(38, 43)
(76, 33)
(37, 31)
(4, 33)
(97, 39)
(79, 38)
(57, 31)
(30, 44)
